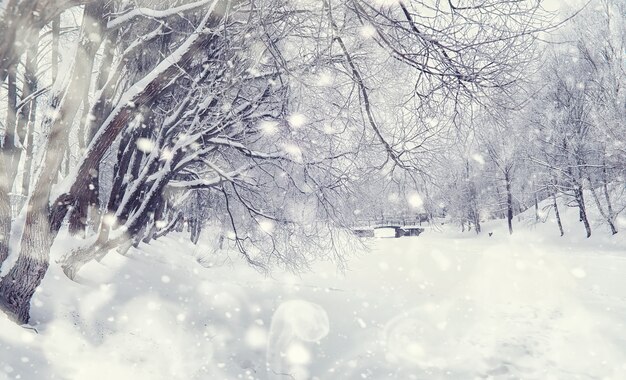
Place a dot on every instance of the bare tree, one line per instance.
(215, 97)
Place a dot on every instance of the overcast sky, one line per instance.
(559, 5)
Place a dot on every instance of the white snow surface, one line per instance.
(444, 305)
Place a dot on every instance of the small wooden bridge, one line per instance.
(404, 225)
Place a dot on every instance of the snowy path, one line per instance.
(439, 306)
(449, 308)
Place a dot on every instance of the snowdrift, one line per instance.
(444, 305)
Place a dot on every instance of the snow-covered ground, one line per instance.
(444, 305)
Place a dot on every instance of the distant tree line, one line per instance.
(561, 135)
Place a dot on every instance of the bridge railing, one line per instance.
(393, 221)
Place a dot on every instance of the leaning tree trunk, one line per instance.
(18, 286)
(556, 212)
(609, 204)
(90, 44)
(88, 201)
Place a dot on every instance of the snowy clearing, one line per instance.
(444, 305)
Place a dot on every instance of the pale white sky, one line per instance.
(556, 5)
(552, 5)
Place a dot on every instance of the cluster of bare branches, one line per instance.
(127, 120)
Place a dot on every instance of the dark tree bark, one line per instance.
(477, 226)
(509, 202)
(580, 201)
(78, 219)
(196, 228)
(159, 215)
(5, 213)
(18, 286)
(556, 212)
(607, 197)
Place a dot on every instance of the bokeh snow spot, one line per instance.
(579, 273)
(297, 120)
(145, 145)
